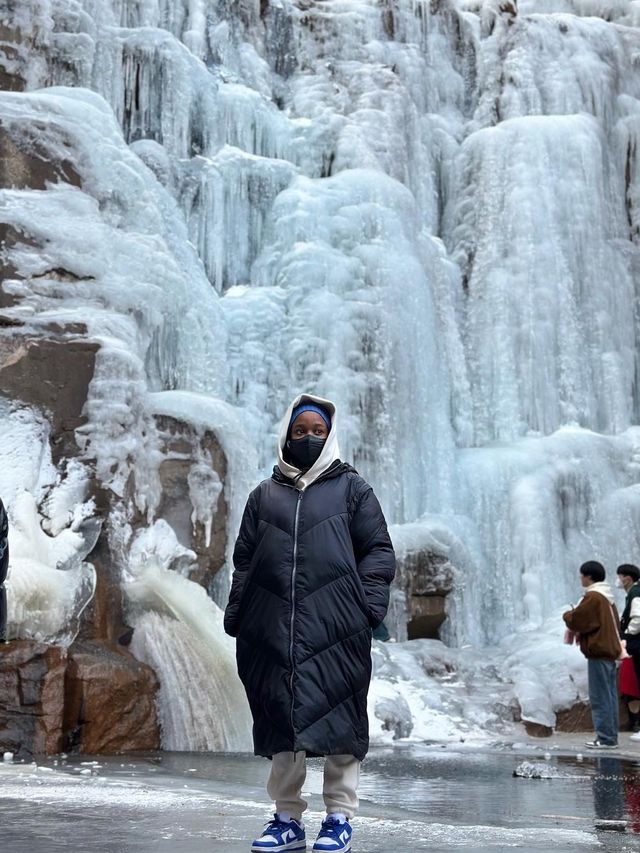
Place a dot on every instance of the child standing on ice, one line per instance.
(313, 564)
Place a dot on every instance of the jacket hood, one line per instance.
(330, 451)
(603, 588)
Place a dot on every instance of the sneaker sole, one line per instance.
(292, 845)
(331, 849)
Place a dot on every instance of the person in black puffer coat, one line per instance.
(4, 568)
(313, 564)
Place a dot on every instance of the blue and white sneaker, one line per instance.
(334, 836)
(281, 835)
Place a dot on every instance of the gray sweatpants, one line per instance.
(341, 777)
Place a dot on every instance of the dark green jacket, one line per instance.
(634, 592)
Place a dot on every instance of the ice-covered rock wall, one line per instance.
(426, 211)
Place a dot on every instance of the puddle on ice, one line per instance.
(412, 799)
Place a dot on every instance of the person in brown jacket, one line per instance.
(595, 620)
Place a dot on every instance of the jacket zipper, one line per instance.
(293, 602)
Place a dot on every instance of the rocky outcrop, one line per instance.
(95, 697)
(27, 163)
(89, 699)
(427, 578)
(12, 66)
(426, 615)
(109, 702)
(103, 620)
(53, 372)
(32, 687)
(193, 467)
(537, 729)
(575, 719)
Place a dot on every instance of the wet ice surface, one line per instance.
(427, 798)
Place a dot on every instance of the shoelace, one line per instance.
(277, 825)
(331, 822)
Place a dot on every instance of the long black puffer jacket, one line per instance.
(312, 575)
(4, 568)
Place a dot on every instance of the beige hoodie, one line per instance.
(603, 588)
(596, 620)
(330, 451)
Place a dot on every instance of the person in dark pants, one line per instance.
(595, 620)
(4, 568)
(313, 564)
(630, 631)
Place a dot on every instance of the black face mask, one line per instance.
(304, 452)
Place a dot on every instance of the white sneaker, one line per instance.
(635, 736)
(280, 835)
(334, 837)
(597, 744)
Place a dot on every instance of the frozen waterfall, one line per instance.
(178, 630)
(425, 210)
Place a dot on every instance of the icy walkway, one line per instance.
(432, 798)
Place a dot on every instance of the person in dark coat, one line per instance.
(313, 564)
(630, 632)
(4, 568)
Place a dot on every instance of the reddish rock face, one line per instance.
(537, 729)
(575, 719)
(90, 699)
(427, 613)
(27, 163)
(181, 446)
(110, 702)
(427, 579)
(95, 698)
(52, 373)
(32, 679)
(11, 81)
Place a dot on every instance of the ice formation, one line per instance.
(178, 629)
(428, 212)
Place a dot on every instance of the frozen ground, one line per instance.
(413, 798)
